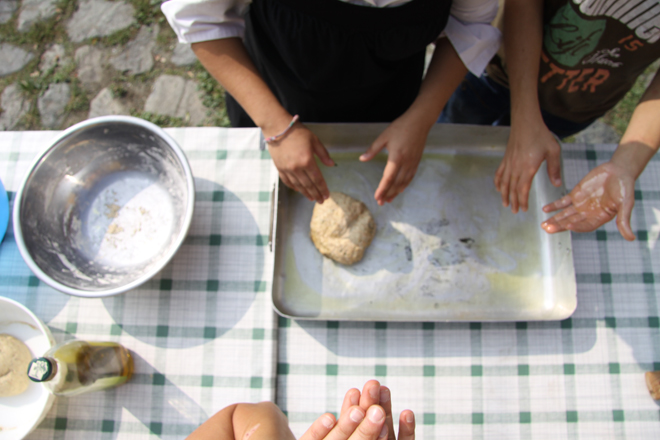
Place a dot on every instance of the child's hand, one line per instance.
(373, 393)
(605, 192)
(365, 416)
(293, 157)
(528, 147)
(405, 142)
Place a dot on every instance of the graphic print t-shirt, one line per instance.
(593, 51)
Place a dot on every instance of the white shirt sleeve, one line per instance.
(202, 20)
(473, 37)
(468, 27)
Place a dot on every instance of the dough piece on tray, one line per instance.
(14, 360)
(342, 228)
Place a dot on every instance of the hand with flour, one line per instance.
(608, 191)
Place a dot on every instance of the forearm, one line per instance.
(260, 421)
(523, 38)
(444, 74)
(229, 63)
(641, 140)
(218, 427)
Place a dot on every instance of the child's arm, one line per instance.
(405, 138)
(366, 416)
(245, 420)
(530, 142)
(293, 155)
(609, 189)
(265, 421)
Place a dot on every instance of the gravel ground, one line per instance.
(63, 61)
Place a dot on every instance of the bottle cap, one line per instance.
(40, 369)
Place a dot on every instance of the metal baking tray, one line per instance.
(444, 250)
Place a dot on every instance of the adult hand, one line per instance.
(293, 156)
(405, 141)
(527, 148)
(364, 416)
(605, 192)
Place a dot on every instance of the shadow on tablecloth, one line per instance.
(210, 283)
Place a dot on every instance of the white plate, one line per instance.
(19, 415)
(4, 211)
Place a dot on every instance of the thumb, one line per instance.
(371, 152)
(554, 168)
(323, 154)
(623, 220)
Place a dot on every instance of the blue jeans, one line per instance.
(482, 101)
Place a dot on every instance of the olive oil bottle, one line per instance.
(77, 367)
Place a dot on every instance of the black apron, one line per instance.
(331, 61)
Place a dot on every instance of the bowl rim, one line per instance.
(190, 184)
(45, 331)
(38, 321)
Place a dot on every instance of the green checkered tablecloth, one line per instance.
(202, 331)
(204, 334)
(582, 378)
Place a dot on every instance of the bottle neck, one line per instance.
(42, 369)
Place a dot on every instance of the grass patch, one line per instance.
(66, 7)
(130, 88)
(118, 89)
(620, 115)
(41, 33)
(160, 120)
(213, 97)
(119, 38)
(31, 120)
(36, 83)
(79, 101)
(148, 11)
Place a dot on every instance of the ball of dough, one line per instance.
(14, 360)
(342, 228)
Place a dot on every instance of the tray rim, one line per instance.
(467, 138)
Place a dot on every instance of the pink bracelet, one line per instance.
(277, 136)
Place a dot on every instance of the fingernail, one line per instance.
(355, 399)
(383, 432)
(410, 418)
(376, 414)
(384, 395)
(374, 392)
(327, 421)
(356, 415)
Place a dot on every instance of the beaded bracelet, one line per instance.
(277, 136)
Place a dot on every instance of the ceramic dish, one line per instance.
(19, 415)
(4, 211)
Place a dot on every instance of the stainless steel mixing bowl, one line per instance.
(105, 207)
